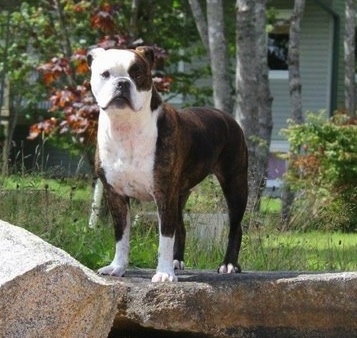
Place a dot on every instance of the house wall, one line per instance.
(315, 67)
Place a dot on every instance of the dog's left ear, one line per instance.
(146, 52)
(92, 54)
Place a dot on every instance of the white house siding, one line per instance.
(281, 105)
(316, 58)
(315, 67)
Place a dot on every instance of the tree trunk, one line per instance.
(133, 24)
(246, 75)
(295, 90)
(254, 99)
(265, 98)
(222, 90)
(349, 46)
(294, 62)
(66, 42)
(200, 21)
(213, 39)
(5, 141)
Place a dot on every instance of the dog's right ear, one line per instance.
(92, 54)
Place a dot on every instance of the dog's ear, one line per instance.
(146, 52)
(92, 54)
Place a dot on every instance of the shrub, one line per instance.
(323, 170)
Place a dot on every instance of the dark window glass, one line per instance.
(278, 51)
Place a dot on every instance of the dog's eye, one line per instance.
(105, 74)
(138, 74)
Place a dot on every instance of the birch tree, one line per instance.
(213, 37)
(294, 88)
(349, 57)
(265, 98)
(252, 90)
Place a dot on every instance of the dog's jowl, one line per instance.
(147, 150)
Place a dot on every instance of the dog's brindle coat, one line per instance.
(148, 150)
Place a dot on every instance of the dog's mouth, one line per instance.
(119, 102)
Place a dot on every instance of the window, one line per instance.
(278, 51)
(278, 44)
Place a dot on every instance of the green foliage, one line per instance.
(323, 170)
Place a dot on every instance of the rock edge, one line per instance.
(251, 304)
(46, 293)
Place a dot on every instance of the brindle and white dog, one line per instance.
(147, 150)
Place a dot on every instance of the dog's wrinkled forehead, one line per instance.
(118, 61)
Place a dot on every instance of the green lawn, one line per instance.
(311, 251)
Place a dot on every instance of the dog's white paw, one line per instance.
(178, 265)
(164, 277)
(112, 270)
(229, 268)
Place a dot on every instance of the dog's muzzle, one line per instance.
(121, 96)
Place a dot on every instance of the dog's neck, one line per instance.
(156, 100)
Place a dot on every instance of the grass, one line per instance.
(312, 251)
(58, 212)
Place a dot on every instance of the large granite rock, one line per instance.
(251, 304)
(46, 293)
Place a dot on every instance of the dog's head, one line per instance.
(121, 78)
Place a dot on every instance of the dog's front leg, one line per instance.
(119, 209)
(167, 214)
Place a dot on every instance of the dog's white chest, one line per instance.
(127, 145)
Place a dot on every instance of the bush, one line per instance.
(323, 170)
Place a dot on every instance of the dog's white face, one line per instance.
(121, 79)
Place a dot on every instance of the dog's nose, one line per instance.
(123, 84)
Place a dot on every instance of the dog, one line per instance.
(147, 150)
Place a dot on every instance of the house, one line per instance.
(321, 67)
(321, 63)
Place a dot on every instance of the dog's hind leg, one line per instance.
(233, 180)
(180, 235)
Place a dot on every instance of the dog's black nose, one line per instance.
(123, 84)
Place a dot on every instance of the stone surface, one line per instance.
(46, 293)
(251, 304)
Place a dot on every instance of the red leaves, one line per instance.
(59, 66)
(79, 59)
(307, 164)
(80, 114)
(53, 69)
(113, 41)
(73, 110)
(60, 99)
(103, 19)
(162, 84)
(46, 127)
